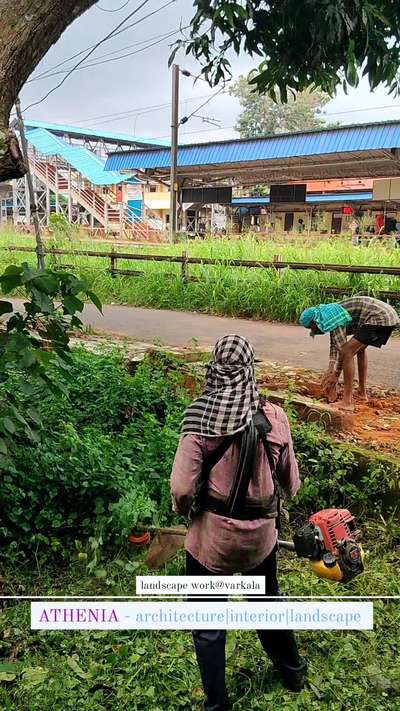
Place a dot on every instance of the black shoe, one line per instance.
(293, 678)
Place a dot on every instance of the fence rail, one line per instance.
(185, 261)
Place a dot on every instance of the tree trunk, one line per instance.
(28, 28)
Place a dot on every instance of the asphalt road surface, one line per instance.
(283, 343)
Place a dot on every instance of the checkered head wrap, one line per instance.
(230, 397)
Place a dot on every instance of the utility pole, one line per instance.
(32, 197)
(173, 213)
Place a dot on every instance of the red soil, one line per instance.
(376, 422)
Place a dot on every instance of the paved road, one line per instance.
(287, 344)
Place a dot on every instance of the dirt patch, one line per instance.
(376, 423)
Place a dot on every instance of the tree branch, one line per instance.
(28, 28)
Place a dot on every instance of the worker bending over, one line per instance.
(369, 321)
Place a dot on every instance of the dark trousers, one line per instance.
(280, 645)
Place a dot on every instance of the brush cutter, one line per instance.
(328, 541)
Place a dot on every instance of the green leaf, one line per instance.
(10, 666)
(7, 676)
(4, 451)
(42, 301)
(28, 359)
(26, 388)
(9, 282)
(72, 304)
(8, 425)
(34, 675)
(6, 307)
(100, 573)
(13, 269)
(73, 664)
(95, 300)
(47, 283)
(34, 415)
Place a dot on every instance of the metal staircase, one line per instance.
(112, 216)
(69, 171)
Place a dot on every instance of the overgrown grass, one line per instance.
(157, 671)
(221, 289)
(115, 432)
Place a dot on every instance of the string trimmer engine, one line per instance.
(329, 541)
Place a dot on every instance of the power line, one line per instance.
(111, 36)
(118, 9)
(136, 112)
(365, 108)
(201, 130)
(113, 59)
(185, 119)
(48, 74)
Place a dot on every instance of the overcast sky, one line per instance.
(142, 81)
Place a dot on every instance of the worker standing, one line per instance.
(369, 321)
(224, 540)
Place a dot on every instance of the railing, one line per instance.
(111, 215)
(185, 261)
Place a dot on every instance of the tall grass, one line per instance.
(221, 289)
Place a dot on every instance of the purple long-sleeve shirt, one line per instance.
(221, 544)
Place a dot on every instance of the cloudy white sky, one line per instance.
(122, 95)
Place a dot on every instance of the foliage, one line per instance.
(89, 671)
(106, 453)
(102, 466)
(336, 475)
(260, 115)
(33, 339)
(301, 44)
(110, 437)
(61, 227)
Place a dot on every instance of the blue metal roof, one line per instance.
(77, 131)
(310, 198)
(83, 160)
(364, 137)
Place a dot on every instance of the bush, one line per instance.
(112, 437)
(107, 447)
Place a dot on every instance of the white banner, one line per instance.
(140, 615)
(204, 585)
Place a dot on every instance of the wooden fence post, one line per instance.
(185, 268)
(277, 259)
(113, 259)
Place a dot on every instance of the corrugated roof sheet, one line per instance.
(310, 198)
(83, 160)
(78, 131)
(365, 137)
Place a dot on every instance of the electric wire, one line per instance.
(161, 37)
(109, 118)
(185, 119)
(114, 59)
(118, 9)
(115, 34)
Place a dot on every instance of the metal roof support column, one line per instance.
(56, 182)
(121, 219)
(48, 204)
(15, 202)
(69, 195)
(27, 202)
